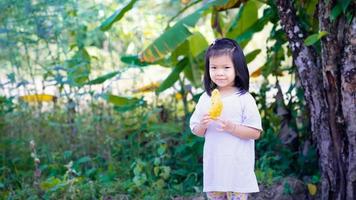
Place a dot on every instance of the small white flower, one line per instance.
(32, 144)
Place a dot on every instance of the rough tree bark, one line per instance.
(348, 104)
(329, 81)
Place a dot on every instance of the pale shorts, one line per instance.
(226, 196)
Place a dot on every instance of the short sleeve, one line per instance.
(250, 114)
(197, 114)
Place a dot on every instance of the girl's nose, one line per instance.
(220, 72)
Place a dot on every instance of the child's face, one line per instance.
(222, 71)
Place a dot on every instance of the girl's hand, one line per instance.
(226, 125)
(204, 123)
(200, 129)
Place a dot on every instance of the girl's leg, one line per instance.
(237, 196)
(216, 195)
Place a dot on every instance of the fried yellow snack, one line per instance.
(216, 104)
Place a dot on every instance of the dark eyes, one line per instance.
(227, 67)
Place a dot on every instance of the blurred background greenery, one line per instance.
(95, 96)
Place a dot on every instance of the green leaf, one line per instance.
(165, 172)
(235, 20)
(173, 37)
(133, 60)
(245, 18)
(197, 44)
(67, 154)
(170, 39)
(78, 68)
(181, 51)
(123, 104)
(345, 4)
(173, 76)
(188, 72)
(194, 69)
(311, 6)
(83, 160)
(103, 78)
(180, 172)
(50, 183)
(121, 101)
(335, 12)
(252, 55)
(106, 25)
(156, 170)
(310, 40)
(256, 27)
(90, 172)
(162, 148)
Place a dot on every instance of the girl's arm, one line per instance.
(243, 132)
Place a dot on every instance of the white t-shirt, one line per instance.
(229, 161)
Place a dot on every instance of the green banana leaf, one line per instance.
(197, 44)
(173, 76)
(193, 71)
(192, 48)
(123, 104)
(170, 39)
(256, 27)
(102, 79)
(78, 68)
(246, 17)
(118, 14)
(133, 60)
(173, 37)
(252, 55)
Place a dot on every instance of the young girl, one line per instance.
(229, 154)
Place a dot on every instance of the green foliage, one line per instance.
(106, 25)
(176, 35)
(173, 76)
(102, 79)
(6, 105)
(134, 155)
(310, 40)
(133, 60)
(340, 7)
(124, 103)
(170, 39)
(78, 68)
(252, 55)
(245, 19)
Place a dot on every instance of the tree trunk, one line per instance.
(329, 82)
(348, 103)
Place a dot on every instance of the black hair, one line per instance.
(226, 46)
